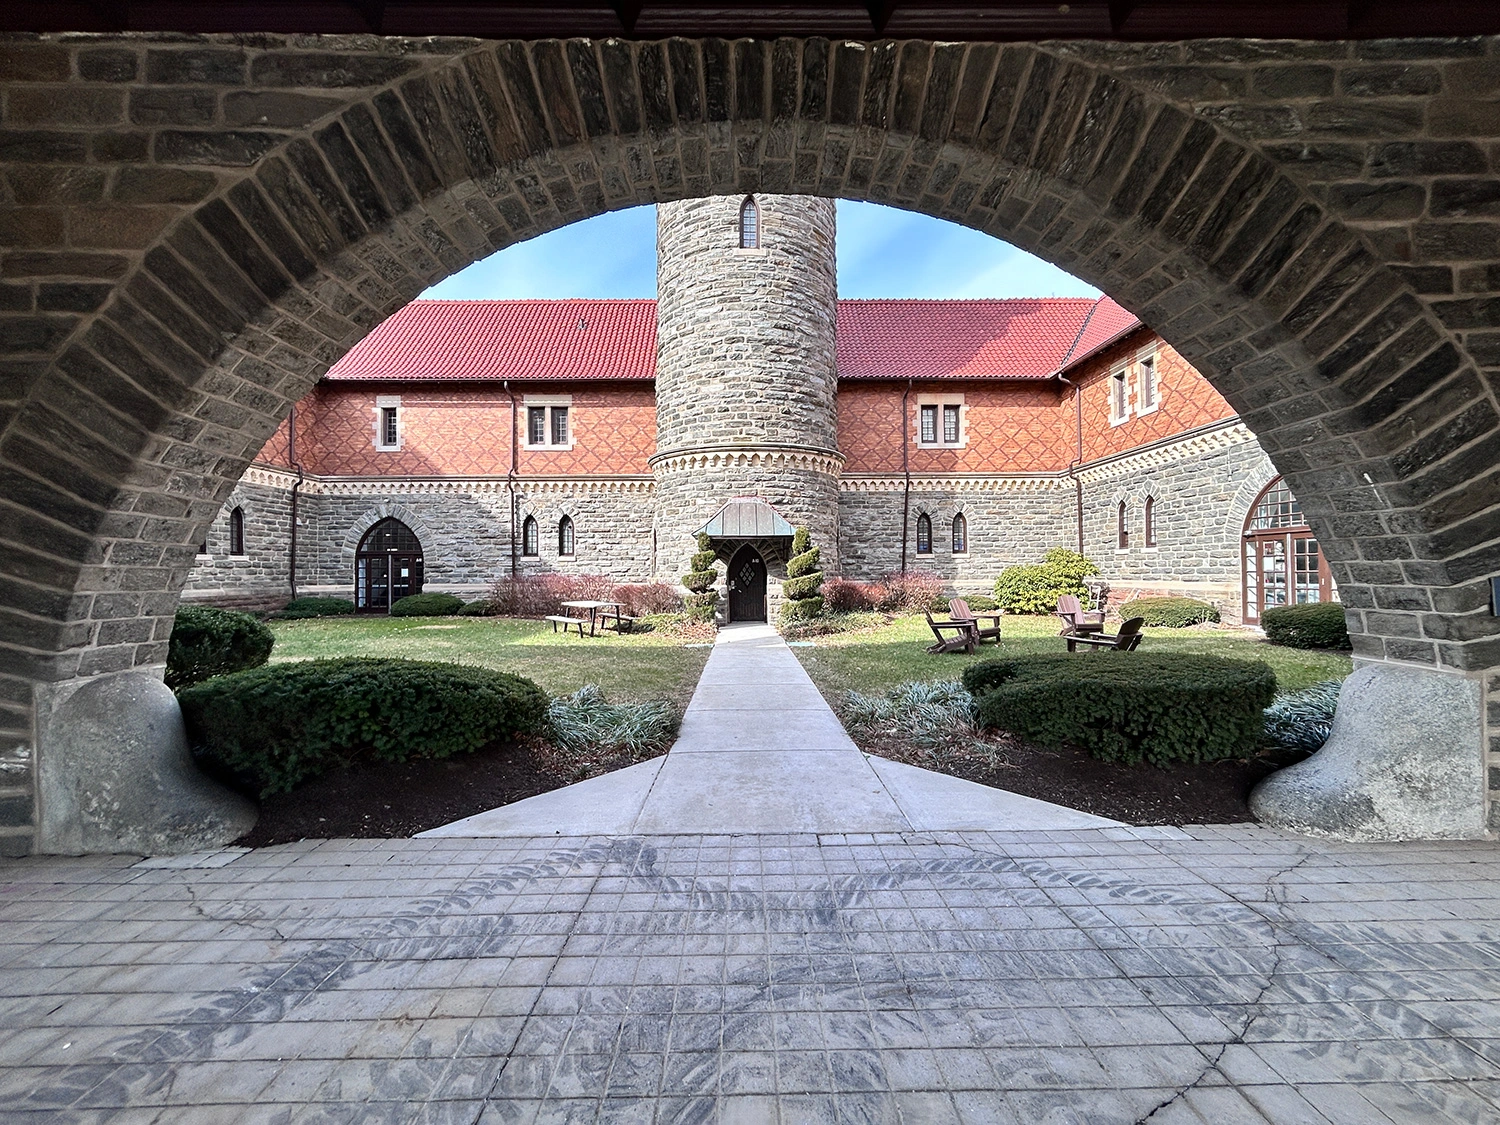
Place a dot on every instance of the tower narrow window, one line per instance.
(565, 536)
(924, 534)
(237, 532)
(749, 224)
(529, 542)
(1148, 522)
(1123, 520)
(960, 534)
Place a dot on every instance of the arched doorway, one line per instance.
(1283, 563)
(387, 566)
(747, 585)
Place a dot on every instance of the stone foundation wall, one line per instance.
(259, 578)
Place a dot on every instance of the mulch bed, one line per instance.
(1207, 793)
(395, 799)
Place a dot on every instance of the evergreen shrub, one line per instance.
(1035, 588)
(1172, 613)
(274, 727)
(212, 642)
(1126, 707)
(1311, 625)
(804, 581)
(427, 605)
(482, 608)
(703, 599)
(299, 608)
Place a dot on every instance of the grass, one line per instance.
(872, 661)
(629, 668)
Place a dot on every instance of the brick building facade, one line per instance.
(595, 437)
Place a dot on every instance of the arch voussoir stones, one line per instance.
(181, 263)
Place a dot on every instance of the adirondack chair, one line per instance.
(1125, 640)
(959, 610)
(963, 638)
(1076, 620)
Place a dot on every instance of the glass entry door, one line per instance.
(387, 567)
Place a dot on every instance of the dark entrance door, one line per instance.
(387, 567)
(747, 586)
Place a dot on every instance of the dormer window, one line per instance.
(749, 224)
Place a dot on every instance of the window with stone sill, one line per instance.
(924, 534)
(565, 536)
(388, 422)
(1122, 522)
(237, 532)
(960, 534)
(529, 538)
(940, 422)
(1147, 391)
(749, 224)
(549, 422)
(1148, 524)
(1119, 398)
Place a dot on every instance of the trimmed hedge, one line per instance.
(1036, 588)
(1126, 707)
(213, 642)
(315, 607)
(1173, 613)
(1311, 625)
(277, 726)
(804, 581)
(427, 605)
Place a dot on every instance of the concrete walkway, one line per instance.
(760, 751)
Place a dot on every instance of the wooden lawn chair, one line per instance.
(1076, 620)
(959, 610)
(962, 639)
(1125, 640)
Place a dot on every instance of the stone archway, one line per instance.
(195, 228)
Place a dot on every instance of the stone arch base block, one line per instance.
(119, 777)
(1402, 763)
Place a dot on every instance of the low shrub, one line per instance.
(842, 596)
(1036, 588)
(299, 608)
(212, 642)
(1303, 720)
(426, 605)
(537, 595)
(586, 721)
(1172, 613)
(642, 601)
(482, 608)
(922, 714)
(277, 726)
(982, 603)
(1126, 707)
(1311, 625)
(803, 609)
(911, 592)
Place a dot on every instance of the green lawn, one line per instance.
(875, 660)
(633, 667)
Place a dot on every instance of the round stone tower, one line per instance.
(745, 379)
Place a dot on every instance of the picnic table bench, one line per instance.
(566, 622)
(600, 615)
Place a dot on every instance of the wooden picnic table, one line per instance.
(599, 612)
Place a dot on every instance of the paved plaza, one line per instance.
(525, 970)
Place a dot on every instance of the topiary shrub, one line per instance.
(804, 581)
(299, 608)
(1036, 588)
(426, 605)
(1172, 613)
(212, 642)
(277, 726)
(702, 600)
(1311, 625)
(1126, 707)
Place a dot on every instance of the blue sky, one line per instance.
(883, 252)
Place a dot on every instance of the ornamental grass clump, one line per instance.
(274, 727)
(1170, 613)
(921, 714)
(1036, 588)
(1303, 720)
(702, 598)
(587, 722)
(1128, 707)
(213, 642)
(1310, 625)
(804, 581)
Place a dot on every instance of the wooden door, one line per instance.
(747, 586)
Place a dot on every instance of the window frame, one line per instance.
(1148, 524)
(1122, 527)
(756, 244)
(1119, 395)
(237, 532)
(567, 538)
(531, 538)
(549, 405)
(960, 534)
(389, 407)
(924, 525)
(940, 404)
(1147, 360)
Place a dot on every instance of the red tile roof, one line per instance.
(560, 341)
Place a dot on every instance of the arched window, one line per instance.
(237, 532)
(1283, 563)
(960, 534)
(387, 566)
(529, 538)
(1123, 520)
(924, 534)
(565, 536)
(1148, 522)
(749, 224)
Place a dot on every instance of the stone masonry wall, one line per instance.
(258, 579)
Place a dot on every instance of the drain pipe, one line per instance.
(1074, 464)
(906, 474)
(510, 479)
(291, 456)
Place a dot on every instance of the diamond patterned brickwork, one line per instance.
(1186, 399)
